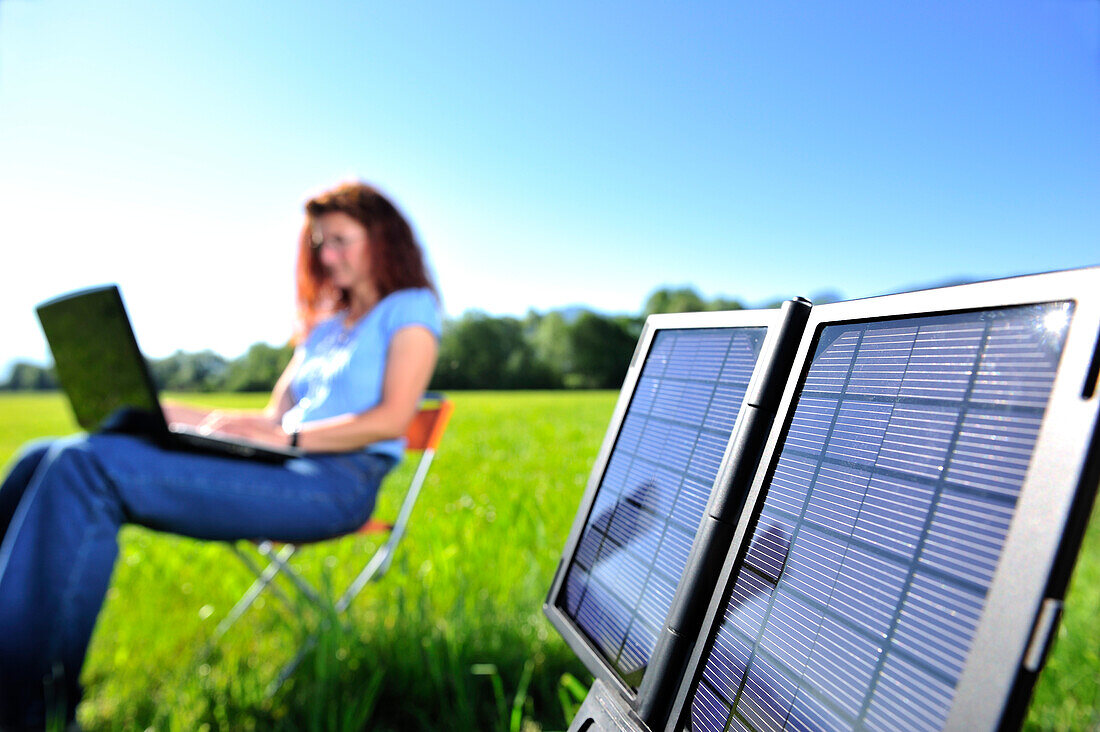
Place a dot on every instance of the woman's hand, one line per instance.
(176, 413)
(251, 425)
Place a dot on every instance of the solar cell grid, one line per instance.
(882, 523)
(654, 489)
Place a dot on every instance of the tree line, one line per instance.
(256, 370)
(574, 348)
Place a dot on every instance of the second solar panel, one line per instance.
(866, 590)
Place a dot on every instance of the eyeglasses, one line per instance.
(335, 243)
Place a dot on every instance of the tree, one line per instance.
(674, 300)
(550, 342)
(481, 352)
(202, 371)
(258, 369)
(28, 376)
(600, 351)
(725, 303)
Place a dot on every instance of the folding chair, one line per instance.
(423, 436)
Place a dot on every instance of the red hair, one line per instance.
(396, 259)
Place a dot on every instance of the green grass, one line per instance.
(464, 594)
(453, 637)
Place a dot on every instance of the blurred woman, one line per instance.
(369, 326)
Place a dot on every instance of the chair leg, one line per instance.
(374, 570)
(327, 611)
(264, 579)
(291, 666)
(326, 622)
(379, 564)
(330, 612)
(281, 562)
(278, 562)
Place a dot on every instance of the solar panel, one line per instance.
(895, 553)
(650, 486)
(867, 566)
(657, 483)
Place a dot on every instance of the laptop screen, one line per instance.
(97, 359)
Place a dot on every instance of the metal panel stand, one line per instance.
(604, 711)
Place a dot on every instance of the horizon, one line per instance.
(548, 157)
(6, 367)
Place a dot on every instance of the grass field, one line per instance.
(453, 637)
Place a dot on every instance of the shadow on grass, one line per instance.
(443, 675)
(428, 671)
(441, 681)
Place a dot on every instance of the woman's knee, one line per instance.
(29, 455)
(19, 475)
(71, 465)
(63, 453)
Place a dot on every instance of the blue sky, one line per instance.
(548, 154)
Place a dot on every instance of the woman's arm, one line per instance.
(409, 366)
(176, 413)
(281, 399)
(220, 419)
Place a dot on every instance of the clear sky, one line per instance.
(549, 154)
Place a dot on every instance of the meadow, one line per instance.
(453, 637)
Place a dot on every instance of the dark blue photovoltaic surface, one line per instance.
(882, 524)
(655, 488)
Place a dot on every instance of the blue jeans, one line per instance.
(61, 507)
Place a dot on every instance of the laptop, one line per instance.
(104, 374)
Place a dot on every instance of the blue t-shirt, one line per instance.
(342, 369)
